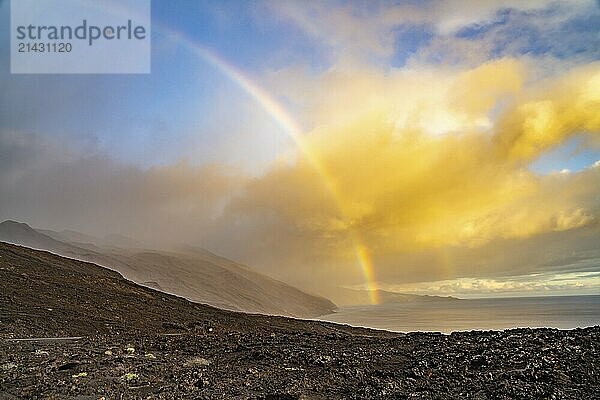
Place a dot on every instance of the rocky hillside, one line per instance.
(198, 276)
(74, 330)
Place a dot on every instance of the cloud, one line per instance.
(424, 160)
(522, 285)
(555, 36)
(347, 29)
(428, 163)
(565, 108)
(435, 99)
(459, 32)
(421, 160)
(60, 187)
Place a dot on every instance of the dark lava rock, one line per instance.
(150, 347)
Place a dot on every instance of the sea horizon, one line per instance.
(499, 313)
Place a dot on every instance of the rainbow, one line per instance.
(282, 117)
(278, 113)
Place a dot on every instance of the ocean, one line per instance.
(564, 312)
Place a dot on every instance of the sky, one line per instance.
(427, 147)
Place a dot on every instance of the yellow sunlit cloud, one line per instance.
(429, 159)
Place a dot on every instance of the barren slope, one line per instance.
(199, 276)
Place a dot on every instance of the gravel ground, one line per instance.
(136, 343)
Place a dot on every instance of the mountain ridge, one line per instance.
(211, 280)
(75, 330)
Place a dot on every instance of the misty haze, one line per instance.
(302, 200)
